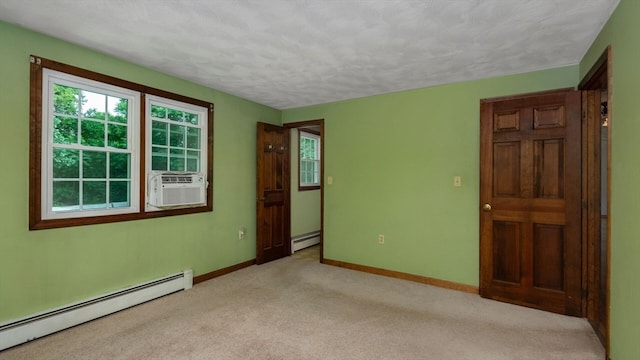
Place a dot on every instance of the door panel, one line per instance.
(530, 249)
(549, 168)
(548, 250)
(273, 231)
(506, 241)
(506, 178)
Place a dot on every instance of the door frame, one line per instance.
(598, 78)
(301, 125)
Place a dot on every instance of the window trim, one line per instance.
(316, 135)
(36, 222)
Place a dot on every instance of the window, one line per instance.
(89, 143)
(87, 163)
(309, 174)
(175, 136)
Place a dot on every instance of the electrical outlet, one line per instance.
(241, 233)
(380, 239)
(457, 181)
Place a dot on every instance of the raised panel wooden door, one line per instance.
(530, 245)
(273, 230)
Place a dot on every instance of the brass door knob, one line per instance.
(486, 207)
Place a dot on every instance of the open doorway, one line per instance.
(596, 87)
(307, 187)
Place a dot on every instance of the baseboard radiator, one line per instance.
(22, 330)
(305, 240)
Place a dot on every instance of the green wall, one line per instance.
(622, 32)
(48, 268)
(305, 205)
(393, 158)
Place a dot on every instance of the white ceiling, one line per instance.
(292, 53)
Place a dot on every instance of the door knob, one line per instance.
(486, 207)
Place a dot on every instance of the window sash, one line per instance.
(310, 172)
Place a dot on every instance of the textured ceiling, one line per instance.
(291, 53)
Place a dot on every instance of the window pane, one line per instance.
(175, 115)
(118, 109)
(94, 105)
(119, 166)
(159, 158)
(94, 164)
(193, 138)
(66, 193)
(92, 133)
(176, 162)
(191, 118)
(119, 193)
(66, 100)
(117, 136)
(177, 135)
(65, 130)
(158, 133)
(158, 111)
(193, 160)
(66, 163)
(316, 172)
(94, 192)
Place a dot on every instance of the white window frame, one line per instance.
(317, 160)
(202, 113)
(51, 77)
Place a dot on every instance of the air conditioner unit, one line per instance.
(172, 189)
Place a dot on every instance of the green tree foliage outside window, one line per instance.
(175, 140)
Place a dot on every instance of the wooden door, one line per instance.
(273, 230)
(530, 216)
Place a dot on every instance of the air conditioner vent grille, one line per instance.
(177, 179)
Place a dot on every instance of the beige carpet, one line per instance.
(296, 308)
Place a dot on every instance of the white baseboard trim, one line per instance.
(25, 329)
(304, 241)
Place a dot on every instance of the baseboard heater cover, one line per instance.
(305, 240)
(29, 328)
